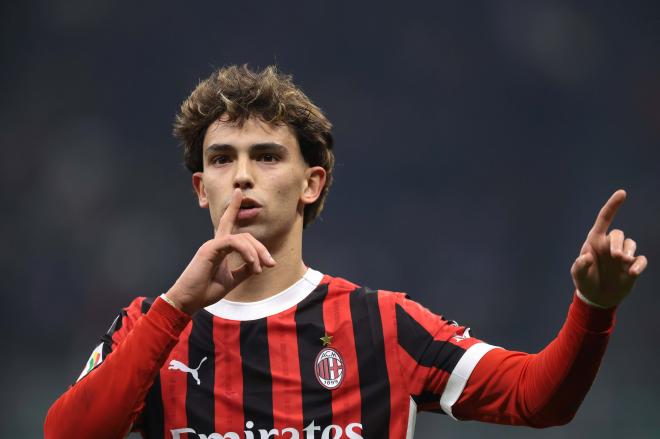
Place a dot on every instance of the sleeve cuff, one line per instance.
(592, 318)
(167, 317)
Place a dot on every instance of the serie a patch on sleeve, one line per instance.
(94, 360)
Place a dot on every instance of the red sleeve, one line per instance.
(544, 389)
(432, 351)
(107, 400)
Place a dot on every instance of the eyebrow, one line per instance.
(254, 148)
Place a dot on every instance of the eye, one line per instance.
(220, 159)
(269, 158)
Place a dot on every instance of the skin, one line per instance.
(607, 268)
(239, 263)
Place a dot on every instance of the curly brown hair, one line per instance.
(238, 93)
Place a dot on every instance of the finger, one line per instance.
(629, 247)
(241, 273)
(580, 267)
(226, 224)
(235, 243)
(638, 266)
(262, 251)
(256, 260)
(606, 214)
(249, 249)
(615, 240)
(586, 248)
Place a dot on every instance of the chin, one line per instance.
(257, 230)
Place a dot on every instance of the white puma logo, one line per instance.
(177, 365)
(464, 336)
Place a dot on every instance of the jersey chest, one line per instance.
(269, 374)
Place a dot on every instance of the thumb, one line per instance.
(581, 267)
(241, 273)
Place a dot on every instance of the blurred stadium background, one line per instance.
(475, 143)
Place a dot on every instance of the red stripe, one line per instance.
(285, 371)
(174, 385)
(338, 324)
(228, 376)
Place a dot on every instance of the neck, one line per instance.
(287, 271)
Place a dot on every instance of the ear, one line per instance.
(314, 183)
(200, 190)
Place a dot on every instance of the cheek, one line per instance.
(286, 191)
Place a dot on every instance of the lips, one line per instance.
(249, 209)
(249, 203)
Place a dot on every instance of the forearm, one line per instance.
(105, 403)
(543, 389)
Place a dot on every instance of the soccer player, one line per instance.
(251, 343)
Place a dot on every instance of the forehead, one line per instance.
(252, 131)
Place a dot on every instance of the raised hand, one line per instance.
(209, 276)
(607, 267)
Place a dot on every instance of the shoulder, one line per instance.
(139, 305)
(341, 286)
(132, 312)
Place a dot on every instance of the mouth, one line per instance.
(249, 203)
(249, 209)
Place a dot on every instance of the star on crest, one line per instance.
(326, 339)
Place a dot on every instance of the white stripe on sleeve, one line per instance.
(460, 375)
(412, 417)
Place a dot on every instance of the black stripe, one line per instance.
(117, 323)
(152, 420)
(257, 378)
(428, 398)
(106, 338)
(316, 399)
(146, 304)
(200, 403)
(422, 347)
(370, 350)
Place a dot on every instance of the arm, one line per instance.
(544, 389)
(104, 403)
(107, 401)
(468, 379)
(547, 388)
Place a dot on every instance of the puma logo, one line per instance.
(464, 336)
(177, 365)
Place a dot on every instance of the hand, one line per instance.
(607, 267)
(209, 277)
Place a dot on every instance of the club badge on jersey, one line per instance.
(329, 368)
(94, 360)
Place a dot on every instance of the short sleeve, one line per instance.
(438, 355)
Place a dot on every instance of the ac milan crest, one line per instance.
(329, 368)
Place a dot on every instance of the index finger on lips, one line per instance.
(226, 224)
(606, 214)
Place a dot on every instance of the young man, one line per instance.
(250, 343)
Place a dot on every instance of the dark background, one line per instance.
(475, 142)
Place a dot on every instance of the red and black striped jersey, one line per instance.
(323, 359)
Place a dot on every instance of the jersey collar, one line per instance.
(281, 301)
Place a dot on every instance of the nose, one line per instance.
(243, 179)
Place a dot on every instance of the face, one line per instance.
(265, 162)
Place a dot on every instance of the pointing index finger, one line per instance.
(606, 214)
(226, 224)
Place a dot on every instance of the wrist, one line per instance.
(589, 302)
(179, 302)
